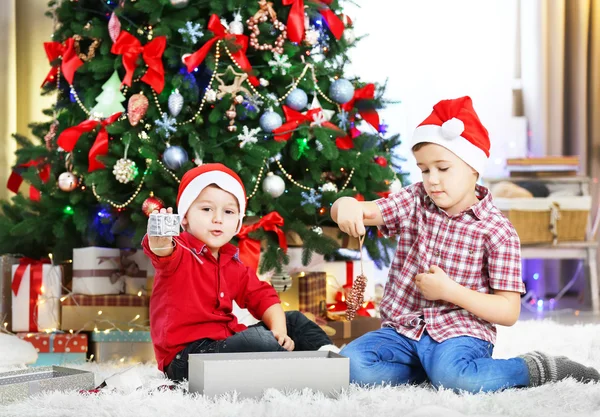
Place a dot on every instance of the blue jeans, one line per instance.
(306, 334)
(462, 363)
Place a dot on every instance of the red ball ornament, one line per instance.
(152, 203)
(381, 161)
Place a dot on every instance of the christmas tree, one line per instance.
(255, 85)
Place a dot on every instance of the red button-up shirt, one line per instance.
(478, 248)
(192, 295)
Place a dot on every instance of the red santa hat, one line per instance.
(197, 179)
(454, 125)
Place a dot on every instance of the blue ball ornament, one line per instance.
(341, 91)
(297, 99)
(270, 121)
(174, 157)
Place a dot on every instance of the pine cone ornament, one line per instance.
(356, 297)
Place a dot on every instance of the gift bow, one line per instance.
(295, 118)
(69, 137)
(295, 23)
(15, 180)
(70, 61)
(36, 275)
(127, 267)
(239, 56)
(369, 115)
(130, 47)
(250, 248)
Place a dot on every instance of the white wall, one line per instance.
(437, 49)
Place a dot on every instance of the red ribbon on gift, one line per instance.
(69, 137)
(295, 118)
(130, 47)
(239, 56)
(36, 274)
(15, 180)
(295, 23)
(250, 248)
(70, 61)
(369, 115)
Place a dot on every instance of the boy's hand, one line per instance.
(351, 216)
(284, 340)
(161, 245)
(435, 284)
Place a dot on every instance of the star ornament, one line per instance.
(236, 87)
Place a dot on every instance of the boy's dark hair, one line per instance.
(419, 146)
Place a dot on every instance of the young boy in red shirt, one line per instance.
(199, 275)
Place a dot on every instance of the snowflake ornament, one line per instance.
(253, 102)
(280, 63)
(248, 136)
(166, 126)
(273, 100)
(344, 121)
(312, 198)
(329, 187)
(191, 32)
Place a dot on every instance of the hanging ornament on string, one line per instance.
(266, 12)
(297, 99)
(270, 121)
(273, 185)
(67, 182)
(125, 169)
(356, 298)
(236, 26)
(174, 157)
(175, 103)
(137, 108)
(231, 114)
(152, 203)
(341, 91)
(109, 101)
(180, 4)
(381, 161)
(114, 27)
(49, 137)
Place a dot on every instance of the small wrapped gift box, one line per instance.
(101, 312)
(6, 263)
(20, 384)
(36, 289)
(115, 345)
(102, 271)
(57, 348)
(307, 293)
(346, 331)
(249, 374)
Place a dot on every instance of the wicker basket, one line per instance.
(548, 220)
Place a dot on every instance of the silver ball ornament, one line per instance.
(270, 121)
(297, 99)
(341, 91)
(67, 182)
(174, 157)
(273, 185)
(395, 186)
(236, 28)
(124, 170)
(175, 103)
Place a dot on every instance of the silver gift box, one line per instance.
(249, 374)
(20, 384)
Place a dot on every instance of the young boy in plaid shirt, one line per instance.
(455, 275)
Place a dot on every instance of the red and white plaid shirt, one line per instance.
(478, 248)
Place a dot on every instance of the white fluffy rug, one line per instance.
(566, 398)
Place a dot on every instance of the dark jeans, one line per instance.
(306, 334)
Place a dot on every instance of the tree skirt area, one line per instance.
(565, 398)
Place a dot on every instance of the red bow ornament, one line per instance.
(313, 117)
(239, 56)
(295, 23)
(70, 61)
(69, 137)
(15, 180)
(36, 274)
(250, 248)
(369, 115)
(130, 47)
